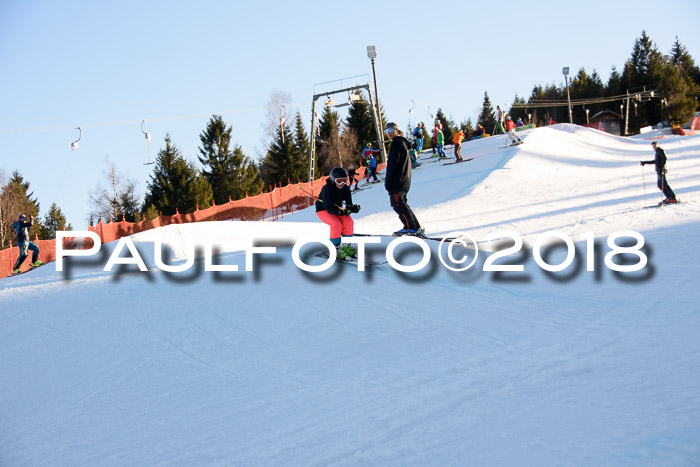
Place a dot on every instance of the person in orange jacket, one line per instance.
(458, 138)
(510, 128)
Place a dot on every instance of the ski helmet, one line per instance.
(339, 173)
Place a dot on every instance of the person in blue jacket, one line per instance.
(21, 226)
(368, 154)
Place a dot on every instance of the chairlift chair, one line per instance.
(148, 138)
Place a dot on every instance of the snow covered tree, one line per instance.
(176, 184)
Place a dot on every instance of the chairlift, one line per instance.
(354, 96)
(74, 144)
(329, 102)
(148, 138)
(410, 111)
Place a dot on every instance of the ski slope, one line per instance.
(280, 366)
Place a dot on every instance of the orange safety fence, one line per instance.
(265, 206)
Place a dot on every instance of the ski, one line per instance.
(351, 260)
(511, 145)
(435, 239)
(31, 268)
(662, 204)
(457, 162)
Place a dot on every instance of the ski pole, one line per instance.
(310, 194)
(644, 184)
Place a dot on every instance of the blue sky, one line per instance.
(107, 66)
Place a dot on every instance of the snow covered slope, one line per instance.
(279, 366)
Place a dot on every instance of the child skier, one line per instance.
(368, 154)
(510, 127)
(24, 244)
(334, 206)
(351, 177)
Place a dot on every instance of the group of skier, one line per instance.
(334, 204)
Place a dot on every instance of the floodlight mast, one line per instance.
(328, 94)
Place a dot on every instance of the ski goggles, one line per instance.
(341, 181)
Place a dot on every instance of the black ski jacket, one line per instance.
(398, 167)
(21, 229)
(659, 161)
(331, 198)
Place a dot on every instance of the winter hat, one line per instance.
(391, 126)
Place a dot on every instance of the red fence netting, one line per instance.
(263, 207)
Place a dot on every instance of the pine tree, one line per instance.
(217, 159)
(53, 222)
(328, 137)
(487, 118)
(246, 176)
(176, 184)
(682, 59)
(301, 149)
(518, 112)
(361, 121)
(448, 126)
(280, 164)
(680, 90)
(16, 199)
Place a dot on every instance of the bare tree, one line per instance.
(114, 198)
(278, 107)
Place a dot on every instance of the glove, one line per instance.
(642, 162)
(354, 208)
(344, 211)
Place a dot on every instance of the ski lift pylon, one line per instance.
(74, 144)
(148, 138)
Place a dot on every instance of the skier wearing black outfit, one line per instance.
(398, 180)
(661, 182)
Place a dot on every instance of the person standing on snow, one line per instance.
(351, 177)
(440, 139)
(459, 136)
(510, 126)
(418, 135)
(398, 181)
(24, 244)
(500, 116)
(661, 182)
(334, 206)
(368, 154)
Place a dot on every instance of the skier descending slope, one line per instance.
(24, 244)
(661, 182)
(330, 209)
(398, 181)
